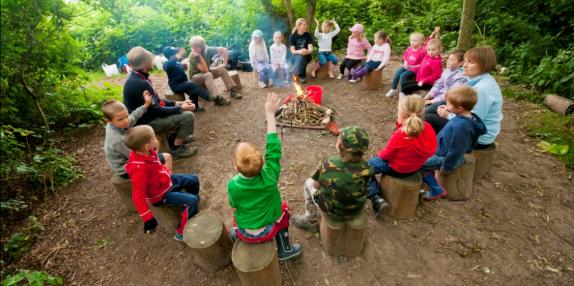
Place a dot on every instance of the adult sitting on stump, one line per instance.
(339, 185)
(200, 69)
(162, 115)
(178, 82)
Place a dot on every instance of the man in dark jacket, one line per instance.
(163, 115)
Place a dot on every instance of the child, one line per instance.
(451, 76)
(118, 121)
(356, 47)
(325, 40)
(412, 143)
(412, 58)
(301, 46)
(259, 58)
(154, 183)
(429, 71)
(338, 186)
(253, 193)
(377, 59)
(278, 52)
(459, 136)
(178, 82)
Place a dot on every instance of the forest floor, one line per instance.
(516, 229)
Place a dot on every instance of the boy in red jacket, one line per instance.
(412, 143)
(154, 184)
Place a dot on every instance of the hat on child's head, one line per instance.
(257, 34)
(170, 51)
(357, 28)
(138, 57)
(355, 139)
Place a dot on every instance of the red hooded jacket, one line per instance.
(150, 181)
(407, 154)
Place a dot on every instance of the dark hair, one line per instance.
(459, 54)
(383, 36)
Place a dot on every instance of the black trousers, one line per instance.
(348, 64)
(193, 90)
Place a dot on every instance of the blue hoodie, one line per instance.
(458, 136)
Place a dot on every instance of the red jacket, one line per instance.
(150, 181)
(407, 155)
(430, 69)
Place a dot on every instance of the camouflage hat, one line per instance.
(355, 139)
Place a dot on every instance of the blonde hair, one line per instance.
(485, 57)
(248, 160)
(435, 42)
(417, 35)
(298, 23)
(138, 136)
(111, 107)
(462, 96)
(197, 41)
(413, 106)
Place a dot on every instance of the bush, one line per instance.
(32, 278)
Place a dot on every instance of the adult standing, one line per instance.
(301, 46)
(200, 69)
(163, 115)
(478, 63)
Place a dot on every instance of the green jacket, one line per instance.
(257, 200)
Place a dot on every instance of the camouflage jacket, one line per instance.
(343, 187)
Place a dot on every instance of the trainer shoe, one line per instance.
(234, 93)
(391, 92)
(183, 151)
(379, 204)
(302, 222)
(178, 237)
(221, 100)
(340, 76)
(262, 84)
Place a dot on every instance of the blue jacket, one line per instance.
(175, 73)
(458, 136)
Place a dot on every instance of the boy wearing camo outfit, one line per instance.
(339, 185)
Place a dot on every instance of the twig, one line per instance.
(289, 273)
(459, 222)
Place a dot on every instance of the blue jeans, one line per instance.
(435, 162)
(371, 65)
(325, 57)
(299, 65)
(380, 166)
(402, 75)
(184, 193)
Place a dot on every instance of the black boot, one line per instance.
(286, 250)
(379, 204)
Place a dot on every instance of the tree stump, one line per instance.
(402, 194)
(167, 217)
(483, 161)
(163, 142)
(209, 241)
(559, 104)
(458, 184)
(235, 76)
(343, 237)
(373, 80)
(323, 71)
(169, 94)
(124, 189)
(256, 263)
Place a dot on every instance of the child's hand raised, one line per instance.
(147, 99)
(316, 21)
(272, 104)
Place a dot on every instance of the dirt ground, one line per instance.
(516, 229)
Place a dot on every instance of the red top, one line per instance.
(407, 154)
(150, 181)
(430, 69)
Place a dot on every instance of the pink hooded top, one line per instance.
(414, 58)
(430, 69)
(355, 49)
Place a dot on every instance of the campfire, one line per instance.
(300, 111)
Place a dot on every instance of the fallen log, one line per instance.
(559, 104)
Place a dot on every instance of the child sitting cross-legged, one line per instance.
(259, 213)
(377, 59)
(339, 185)
(412, 143)
(459, 136)
(154, 184)
(451, 76)
(118, 121)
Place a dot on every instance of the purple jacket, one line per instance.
(448, 79)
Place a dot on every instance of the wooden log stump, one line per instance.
(168, 217)
(163, 142)
(343, 237)
(169, 94)
(559, 104)
(209, 241)
(458, 184)
(256, 263)
(373, 80)
(323, 71)
(402, 194)
(236, 79)
(124, 189)
(483, 159)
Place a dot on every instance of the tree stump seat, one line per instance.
(373, 80)
(458, 184)
(168, 217)
(402, 194)
(483, 161)
(256, 263)
(124, 189)
(343, 237)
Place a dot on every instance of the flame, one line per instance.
(298, 89)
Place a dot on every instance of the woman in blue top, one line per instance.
(478, 63)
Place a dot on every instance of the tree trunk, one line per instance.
(311, 4)
(287, 4)
(466, 25)
(559, 104)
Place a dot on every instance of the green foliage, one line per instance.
(32, 278)
(20, 242)
(12, 205)
(556, 130)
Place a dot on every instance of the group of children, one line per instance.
(342, 183)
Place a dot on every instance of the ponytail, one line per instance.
(412, 106)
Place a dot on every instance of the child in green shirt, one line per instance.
(253, 193)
